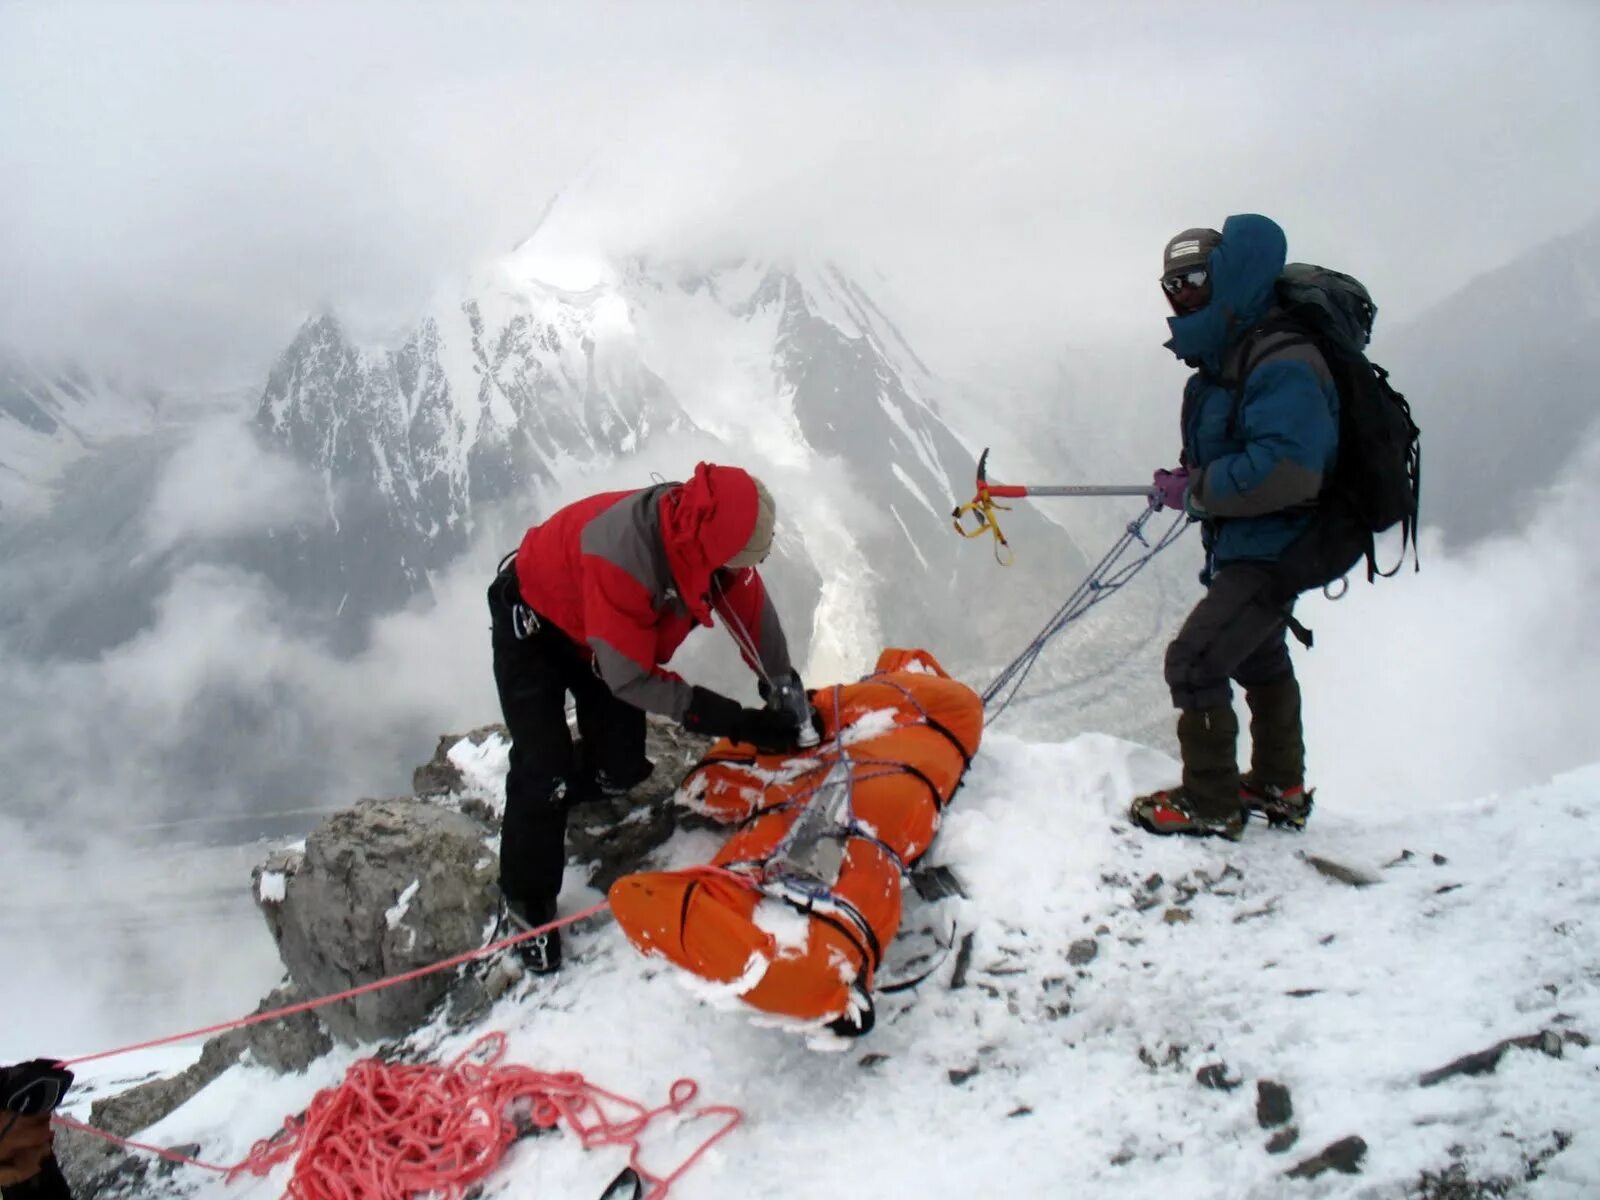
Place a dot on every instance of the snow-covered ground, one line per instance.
(1107, 971)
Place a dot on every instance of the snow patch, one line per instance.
(727, 997)
(397, 913)
(788, 927)
(482, 765)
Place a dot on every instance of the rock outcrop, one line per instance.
(380, 889)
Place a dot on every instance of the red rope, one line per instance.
(391, 1131)
(349, 993)
(160, 1152)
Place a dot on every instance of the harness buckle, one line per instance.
(524, 622)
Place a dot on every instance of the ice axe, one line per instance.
(982, 506)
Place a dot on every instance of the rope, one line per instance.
(1101, 582)
(129, 1143)
(391, 1131)
(736, 629)
(758, 875)
(396, 1130)
(349, 993)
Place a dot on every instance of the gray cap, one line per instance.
(759, 544)
(1191, 248)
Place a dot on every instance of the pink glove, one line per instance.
(1171, 487)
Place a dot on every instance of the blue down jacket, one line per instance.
(1254, 469)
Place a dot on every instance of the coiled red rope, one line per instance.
(395, 1130)
(392, 1131)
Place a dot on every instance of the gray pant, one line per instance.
(1233, 633)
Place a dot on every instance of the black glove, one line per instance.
(787, 694)
(717, 716)
(29, 1093)
(769, 731)
(33, 1087)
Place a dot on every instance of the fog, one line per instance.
(189, 181)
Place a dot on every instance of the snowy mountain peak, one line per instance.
(52, 416)
(521, 381)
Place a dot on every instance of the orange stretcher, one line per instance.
(793, 914)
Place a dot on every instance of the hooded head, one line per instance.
(1185, 277)
(759, 544)
(723, 516)
(1241, 269)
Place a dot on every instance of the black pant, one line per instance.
(1235, 632)
(547, 775)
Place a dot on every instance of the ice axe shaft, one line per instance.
(1014, 490)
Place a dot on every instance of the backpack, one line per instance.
(1376, 480)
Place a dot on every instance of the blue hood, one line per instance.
(1244, 266)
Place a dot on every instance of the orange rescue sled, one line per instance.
(793, 914)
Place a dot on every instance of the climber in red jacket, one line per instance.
(592, 603)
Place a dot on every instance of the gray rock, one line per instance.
(1216, 1077)
(126, 1113)
(958, 976)
(1344, 1156)
(380, 889)
(1283, 1141)
(97, 1170)
(1273, 1105)
(1338, 871)
(1482, 1062)
(1082, 951)
(289, 1043)
(441, 777)
(614, 835)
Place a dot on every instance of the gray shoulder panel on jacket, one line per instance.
(1287, 347)
(628, 534)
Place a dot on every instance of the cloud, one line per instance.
(1472, 677)
(222, 482)
(188, 181)
(191, 180)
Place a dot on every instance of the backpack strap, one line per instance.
(1276, 332)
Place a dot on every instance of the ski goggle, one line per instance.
(1195, 277)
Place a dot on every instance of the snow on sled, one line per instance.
(793, 914)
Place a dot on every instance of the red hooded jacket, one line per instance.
(630, 574)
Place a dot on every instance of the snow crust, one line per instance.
(1106, 969)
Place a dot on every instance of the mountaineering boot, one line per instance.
(1275, 784)
(541, 953)
(1283, 807)
(1172, 811)
(592, 779)
(1208, 802)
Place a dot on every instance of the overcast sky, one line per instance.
(185, 181)
(180, 184)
